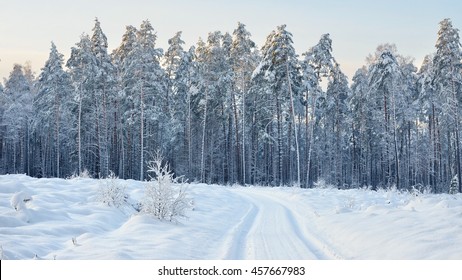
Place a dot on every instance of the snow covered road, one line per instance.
(275, 229)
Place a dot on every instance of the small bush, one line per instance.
(85, 174)
(162, 199)
(322, 184)
(112, 192)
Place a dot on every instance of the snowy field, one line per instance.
(62, 219)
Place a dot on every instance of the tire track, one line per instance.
(276, 231)
(235, 245)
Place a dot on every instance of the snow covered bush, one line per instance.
(163, 199)
(18, 200)
(85, 174)
(322, 184)
(112, 191)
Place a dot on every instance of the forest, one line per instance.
(227, 112)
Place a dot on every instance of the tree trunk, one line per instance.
(142, 134)
(280, 157)
(238, 145)
(243, 133)
(203, 140)
(456, 109)
(79, 133)
(58, 146)
(311, 142)
(395, 141)
(292, 111)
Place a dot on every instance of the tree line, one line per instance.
(224, 111)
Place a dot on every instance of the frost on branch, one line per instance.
(163, 199)
(112, 192)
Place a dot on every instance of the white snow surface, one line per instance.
(62, 219)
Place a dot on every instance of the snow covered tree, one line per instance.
(360, 132)
(383, 82)
(429, 114)
(321, 56)
(279, 73)
(311, 90)
(82, 68)
(393, 93)
(125, 136)
(161, 197)
(16, 120)
(226, 112)
(104, 84)
(53, 121)
(214, 105)
(448, 83)
(243, 63)
(172, 59)
(126, 46)
(335, 121)
(185, 99)
(176, 62)
(145, 87)
(318, 64)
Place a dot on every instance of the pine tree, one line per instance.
(125, 120)
(52, 113)
(145, 86)
(126, 46)
(280, 72)
(386, 85)
(448, 81)
(360, 133)
(430, 111)
(214, 104)
(104, 84)
(335, 120)
(82, 66)
(311, 89)
(185, 86)
(321, 57)
(242, 60)
(317, 65)
(172, 59)
(17, 119)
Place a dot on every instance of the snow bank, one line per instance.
(62, 219)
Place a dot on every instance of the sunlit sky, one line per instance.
(356, 27)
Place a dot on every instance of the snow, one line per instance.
(62, 219)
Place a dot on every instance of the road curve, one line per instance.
(274, 228)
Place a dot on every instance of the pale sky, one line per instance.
(356, 27)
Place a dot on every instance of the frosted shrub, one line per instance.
(162, 199)
(112, 192)
(322, 184)
(419, 190)
(85, 174)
